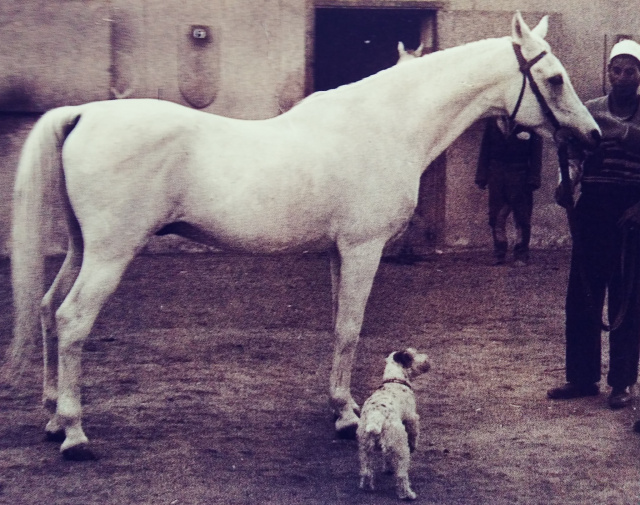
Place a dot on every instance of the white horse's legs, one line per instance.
(51, 301)
(357, 270)
(75, 317)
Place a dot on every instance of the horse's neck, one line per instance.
(448, 92)
(422, 106)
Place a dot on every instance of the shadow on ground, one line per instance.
(206, 382)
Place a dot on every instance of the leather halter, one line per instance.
(525, 69)
(396, 381)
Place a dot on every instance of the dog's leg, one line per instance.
(401, 459)
(365, 448)
(412, 425)
(366, 473)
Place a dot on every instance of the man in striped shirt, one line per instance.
(606, 241)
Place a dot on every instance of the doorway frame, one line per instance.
(434, 6)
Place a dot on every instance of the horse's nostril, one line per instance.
(595, 135)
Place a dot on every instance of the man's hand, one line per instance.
(631, 216)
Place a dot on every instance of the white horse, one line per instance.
(338, 173)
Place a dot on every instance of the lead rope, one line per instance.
(628, 271)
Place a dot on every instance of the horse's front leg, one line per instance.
(358, 265)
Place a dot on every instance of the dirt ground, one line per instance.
(206, 381)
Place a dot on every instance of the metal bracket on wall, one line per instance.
(198, 68)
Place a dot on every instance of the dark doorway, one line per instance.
(351, 44)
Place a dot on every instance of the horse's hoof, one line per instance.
(347, 432)
(54, 436)
(79, 452)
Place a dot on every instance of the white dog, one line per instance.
(389, 425)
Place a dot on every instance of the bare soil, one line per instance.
(206, 381)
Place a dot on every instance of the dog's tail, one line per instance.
(374, 423)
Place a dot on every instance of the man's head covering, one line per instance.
(626, 47)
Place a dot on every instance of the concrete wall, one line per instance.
(253, 65)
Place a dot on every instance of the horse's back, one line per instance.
(146, 164)
(290, 182)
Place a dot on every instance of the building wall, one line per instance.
(253, 65)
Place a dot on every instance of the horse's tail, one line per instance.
(38, 186)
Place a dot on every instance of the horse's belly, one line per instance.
(249, 239)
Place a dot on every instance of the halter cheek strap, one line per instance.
(525, 69)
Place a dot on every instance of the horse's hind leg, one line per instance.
(334, 264)
(357, 269)
(97, 280)
(51, 301)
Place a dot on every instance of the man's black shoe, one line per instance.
(619, 398)
(569, 391)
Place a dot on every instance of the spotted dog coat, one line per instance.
(389, 426)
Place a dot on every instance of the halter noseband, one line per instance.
(525, 68)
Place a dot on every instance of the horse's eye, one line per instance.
(556, 80)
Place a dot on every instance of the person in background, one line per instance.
(606, 240)
(509, 164)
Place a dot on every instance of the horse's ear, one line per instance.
(404, 358)
(401, 49)
(519, 29)
(418, 51)
(542, 28)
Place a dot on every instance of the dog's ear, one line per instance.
(404, 358)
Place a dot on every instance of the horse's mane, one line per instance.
(433, 60)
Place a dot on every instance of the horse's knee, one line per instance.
(71, 335)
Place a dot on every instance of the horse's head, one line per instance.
(542, 96)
